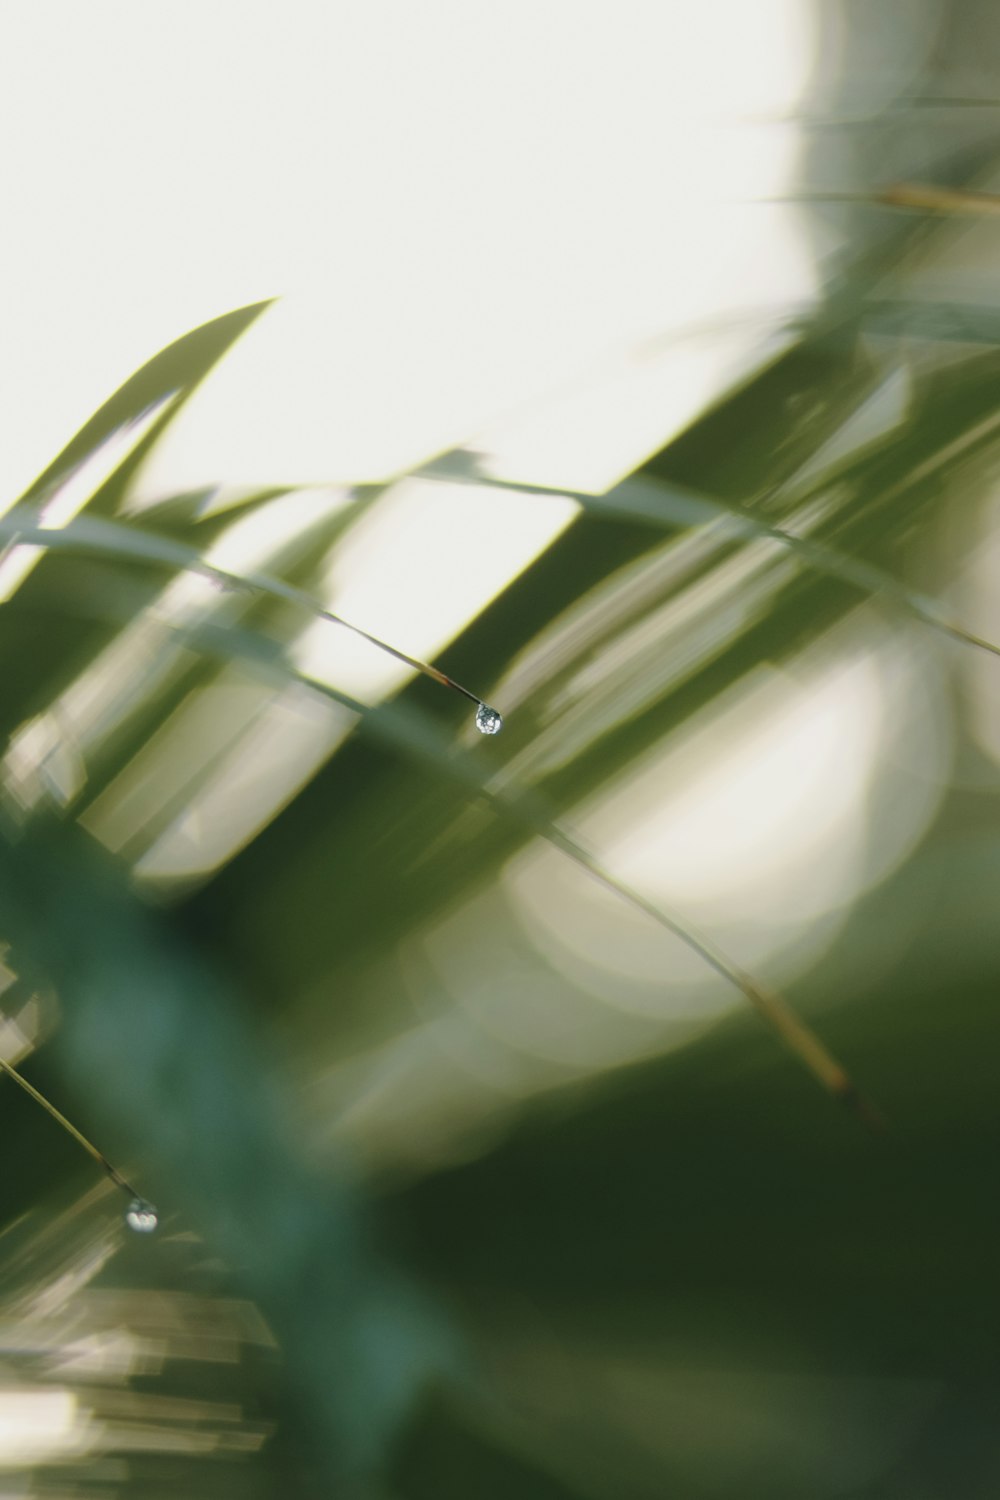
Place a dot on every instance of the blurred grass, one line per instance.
(687, 1276)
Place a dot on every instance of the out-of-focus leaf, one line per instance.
(176, 370)
(155, 1043)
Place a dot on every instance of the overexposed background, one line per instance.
(464, 207)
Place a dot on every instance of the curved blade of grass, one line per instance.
(666, 508)
(769, 1004)
(176, 370)
(108, 538)
(78, 1136)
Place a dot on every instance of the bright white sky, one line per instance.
(464, 204)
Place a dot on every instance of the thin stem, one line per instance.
(923, 197)
(277, 588)
(94, 534)
(819, 556)
(769, 1004)
(78, 1136)
(434, 673)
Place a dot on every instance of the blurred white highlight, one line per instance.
(38, 1426)
(753, 825)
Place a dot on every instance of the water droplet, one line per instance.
(488, 720)
(141, 1216)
